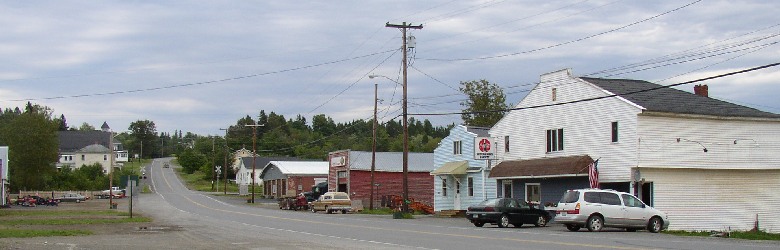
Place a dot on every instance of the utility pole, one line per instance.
(227, 151)
(213, 159)
(373, 151)
(404, 26)
(254, 155)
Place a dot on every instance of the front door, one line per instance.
(507, 189)
(457, 194)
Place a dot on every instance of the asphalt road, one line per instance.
(195, 220)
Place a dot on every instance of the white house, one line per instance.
(709, 164)
(460, 180)
(78, 148)
(245, 168)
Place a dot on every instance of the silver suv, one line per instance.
(599, 208)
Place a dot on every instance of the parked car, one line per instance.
(597, 208)
(332, 201)
(506, 211)
(72, 197)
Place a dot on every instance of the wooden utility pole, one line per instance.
(404, 26)
(254, 155)
(226, 155)
(373, 151)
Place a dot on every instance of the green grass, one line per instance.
(195, 181)
(747, 235)
(71, 221)
(38, 213)
(28, 233)
(383, 210)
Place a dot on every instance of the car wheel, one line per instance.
(503, 221)
(327, 211)
(343, 211)
(573, 228)
(595, 223)
(542, 221)
(312, 209)
(655, 225)
(479, 224)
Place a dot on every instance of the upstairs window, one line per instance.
(457, 147)
(554, 94)
(554, 140)
(506, 143)
(614, 131)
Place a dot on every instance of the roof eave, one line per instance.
(709, 117)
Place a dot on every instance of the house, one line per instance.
(350, 171)
(78, 148)
(460, 179)
(4, 175)
(246, 165)
(289, 178)
(707, 163)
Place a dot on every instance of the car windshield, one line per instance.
(489, 203)
(570, 196)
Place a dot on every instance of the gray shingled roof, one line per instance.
(480, 131)
(72, 141)
(391, 161)
(260, 162)
(669, 100)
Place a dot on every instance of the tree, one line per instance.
(32, 142)
(145, 133)
(86, 127)
(486, 103)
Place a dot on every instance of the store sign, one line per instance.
(338, 161)
(484, 148)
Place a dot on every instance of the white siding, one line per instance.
(707, 199)
(443, 154)
(586, 126)
(757, 143)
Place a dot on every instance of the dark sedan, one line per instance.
(506, 211)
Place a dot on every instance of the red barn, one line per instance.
(350, 171)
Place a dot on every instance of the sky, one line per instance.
(198, 66)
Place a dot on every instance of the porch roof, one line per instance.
(453, 168)
(542, 167)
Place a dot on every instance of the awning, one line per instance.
(542, 167)
(453, 168)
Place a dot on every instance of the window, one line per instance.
(82, 157)
(532, 192)
(631, 201)
(457, 188)
(506, 143)
(554, 140)
(471, 186)
(342, 174)
(614, 131)
(554, 94)
(610, 198)
(457, 147)
(105, 158)
(444, 187)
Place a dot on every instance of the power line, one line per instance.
(607, 96)
(568, 42)
(202, 83)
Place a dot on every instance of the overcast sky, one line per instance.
(198, 66)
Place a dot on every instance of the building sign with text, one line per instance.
(484, 148)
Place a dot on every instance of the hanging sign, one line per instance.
(484, 148)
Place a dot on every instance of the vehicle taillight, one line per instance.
(489, 209)
(576, 209)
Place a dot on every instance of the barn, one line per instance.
(350, 171)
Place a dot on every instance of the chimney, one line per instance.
(701, 90)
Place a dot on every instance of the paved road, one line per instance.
(212, 221)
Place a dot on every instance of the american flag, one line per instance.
(593, 174)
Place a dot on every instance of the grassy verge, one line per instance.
(195, 181)
(28, 233)
(11, 220)
(747, 235)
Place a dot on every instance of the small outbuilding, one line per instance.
(289, 178)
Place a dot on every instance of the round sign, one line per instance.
(484, 145)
